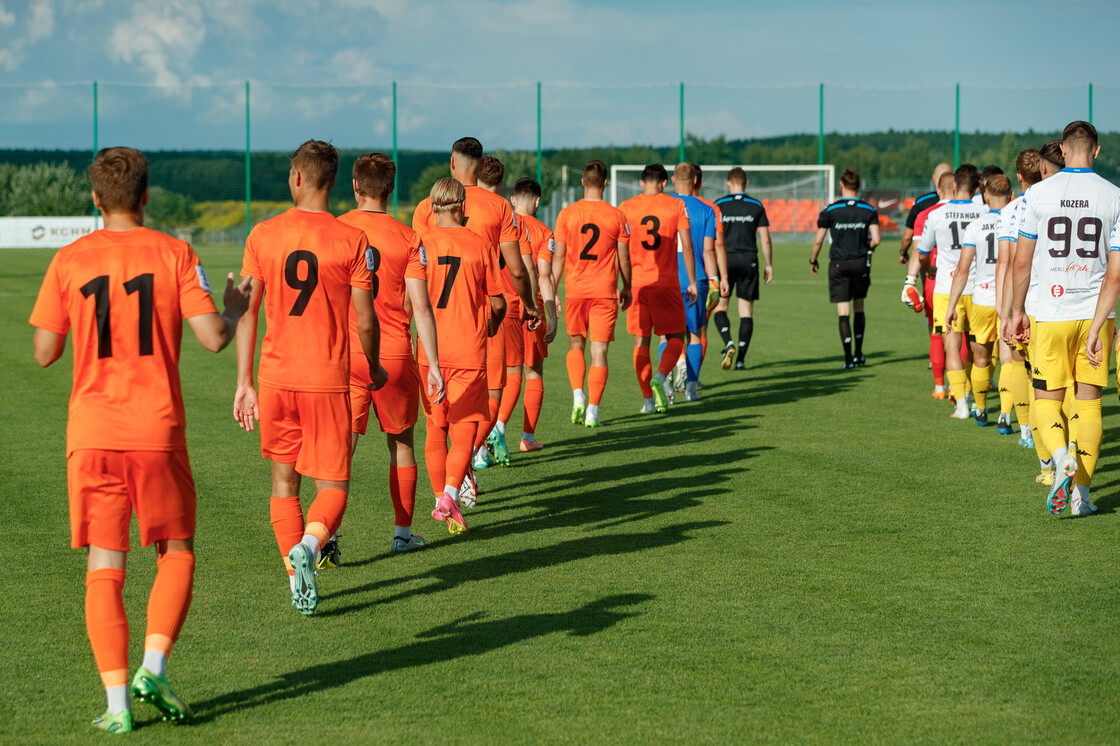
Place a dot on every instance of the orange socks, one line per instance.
(510, 394)
(577, 366)
(107, 625)
(169, 601)
(534, 396)
(402, 490)
(673, 349)
(459, 457)
(325, 514)
(596, 382)
(287, 523)
(644, 369)
(435, 456)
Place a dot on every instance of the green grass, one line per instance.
(806, 555)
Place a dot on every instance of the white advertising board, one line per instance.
(45, 233)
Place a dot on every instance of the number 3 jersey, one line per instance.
(654, 221)
(1070, 215)
(124, 295)
(308, 261)
(945, 228)
(982, 235)
(591, 232)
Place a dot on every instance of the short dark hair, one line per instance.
(1080, 135)
(697, 173)
(1051, 152)
(119, 177)
(468, 147)
(986, 173)
(526, 187)
(737, 176)
(318, 162)
(967, 176)
(491, 172)
(850, 179)
(376, 174)
(595, 174)
(1027, 166)
(654, 172)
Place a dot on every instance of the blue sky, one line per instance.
(610, 70)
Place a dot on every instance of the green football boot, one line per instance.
(119, 723)
(497, 443)
(577, 413)
(157, 692)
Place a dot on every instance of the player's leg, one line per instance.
(640, 325)
(981, 379)
(844, 319)
(534, 398)
(402, 489)
(955, 373)
(1051, 358)
(936, 344)
(511, 392)
(465, 409)
(667, 318)
(695, 319)
(576, 321)
(746, 328)
(840, 292)
(1006, 378)
(859, 324)
(1090, 382)
(495, 382)
(723, 328)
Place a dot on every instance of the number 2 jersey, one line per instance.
(983, 235)
(945, 228)
(654, 221)
(124, 295)
(1070, 214)
(591, 232)
(308, 261)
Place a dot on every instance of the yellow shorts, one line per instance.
(983, 323)
(1058, 356)
(941, 308)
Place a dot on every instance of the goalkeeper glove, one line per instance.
(713, 295)
(910, 295)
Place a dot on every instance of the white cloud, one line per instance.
(162, 40)
(356, 66)
(7, 18)
(9, 59)
(41, 25)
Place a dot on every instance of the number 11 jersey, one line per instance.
(1070, 214)
(308, 261)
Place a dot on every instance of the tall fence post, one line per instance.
(539, 154)
(396, 188)
(820, 141)
(1090, 103)
(96, 212)
(681, 154)
(957, 132)
(248, 169)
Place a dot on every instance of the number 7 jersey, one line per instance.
(308, 261)
(1070, 215)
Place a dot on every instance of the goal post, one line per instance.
(793, 195)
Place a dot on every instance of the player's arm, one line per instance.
(558, 263)
(721, 263)
(818, 242)
(548, 295)
(416, 296)
(904, 250)
(685, 237)
(1106, 303)
(531, 272)
(369, 333)
(964, 263)
(497, 313)
(925, 248)
(1003, 263)
(625, 293)
(48, 346)
(245, 397)
(875, 236)
(1020, 284)
(767, 255)
(216, 330)
(511, 252)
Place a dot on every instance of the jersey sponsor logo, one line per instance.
(983, 285)
(1057, 291)
(203, 280)
(371, 259)
(850, 226)
(738, 218)
(1075, 203)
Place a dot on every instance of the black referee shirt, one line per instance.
(741, 216)
(920, 204)
(848, 221)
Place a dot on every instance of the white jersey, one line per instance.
(1069, 215)
(981, 235)
(945, 229)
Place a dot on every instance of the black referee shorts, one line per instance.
(848, 279)
(742, 273)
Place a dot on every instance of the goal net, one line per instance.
(793, 195)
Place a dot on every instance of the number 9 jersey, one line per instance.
(1070, 215)
(308, 261)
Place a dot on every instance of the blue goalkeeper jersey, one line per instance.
(702, 220)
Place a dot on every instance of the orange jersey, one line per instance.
(541, 241)
(461, 277)
(654, 220)
(525, 248)
(125, 295)
(719, 215)
(308, 261)
(591, 232)
(396, 250)
(487, 215)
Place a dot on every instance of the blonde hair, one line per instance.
(447, 194)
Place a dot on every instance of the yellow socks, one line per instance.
(981, 381)
(957, 380)
(1089, 432)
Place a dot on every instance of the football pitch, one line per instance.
(807, 555)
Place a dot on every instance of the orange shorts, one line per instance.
(593, 318)
(656, 311)
(310, 429)
(535, 348)
(495, 359)
(106, 486)
(467, 399)
(514, 329)
(396, 404)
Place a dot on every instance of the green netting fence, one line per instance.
(219, 153)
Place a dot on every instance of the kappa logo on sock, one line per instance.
(1057, 425)
(1083, 453)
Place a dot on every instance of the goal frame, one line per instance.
(828, 169)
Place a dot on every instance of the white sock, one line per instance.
(500, 427)
(1081, 492)
(311, 543)
(402, 532)
(650, 401)
(335, 537)
(579, 398)
(1024, 431)
(659, 377)
(118, 699)
(452, 491)
(156, 662)
(592, 411)
(939, 387)
(1047, 464)
(528, 436)
(1059, 454)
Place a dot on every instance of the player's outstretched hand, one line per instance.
(378, 378)
(245, 408)
(436, 387)
(767, 276)
(625, 298)
(532, 317)
(692, 294)
(236, 297)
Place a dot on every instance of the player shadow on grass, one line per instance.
(467, 636)
(496, 566)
